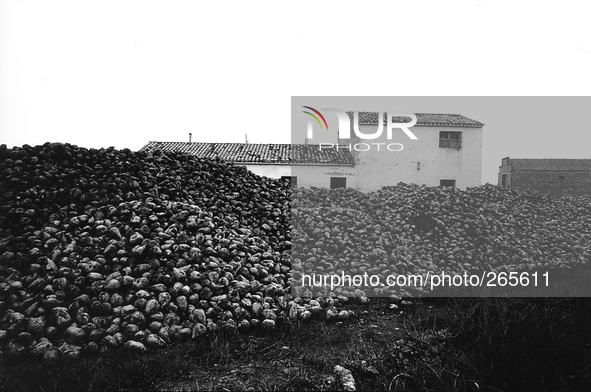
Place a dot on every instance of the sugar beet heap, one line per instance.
(105, 248)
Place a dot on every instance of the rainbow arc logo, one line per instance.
(318, 113)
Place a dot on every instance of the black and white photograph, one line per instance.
(282, 196)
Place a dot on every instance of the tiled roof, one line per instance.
(551, 164)
(424, 119)
(282, 154)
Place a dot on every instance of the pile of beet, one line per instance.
(422, 231)
(105, 248)
(101, 248)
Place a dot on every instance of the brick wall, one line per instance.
(555, 183)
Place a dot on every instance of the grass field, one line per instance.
(468, 344)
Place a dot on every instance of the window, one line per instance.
(448, 183)
(338, 182)
(450, 139)
(504, 180)
(292, 180)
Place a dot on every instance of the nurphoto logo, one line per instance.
(345, 128)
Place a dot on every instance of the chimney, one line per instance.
(190, 134)
(246, 138)
(306, 141)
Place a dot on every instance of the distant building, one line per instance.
(447, 152)
(557, 177)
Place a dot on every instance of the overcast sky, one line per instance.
(113, 73)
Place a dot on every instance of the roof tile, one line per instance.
(286, 154)
(423, 119)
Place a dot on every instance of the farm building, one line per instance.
(557, 177)
(447, 152)
(273, 160)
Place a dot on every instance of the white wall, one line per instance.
(308, 175)
(376, 169)
(319, 176)
(271, 171)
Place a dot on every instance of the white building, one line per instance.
(448, 151)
